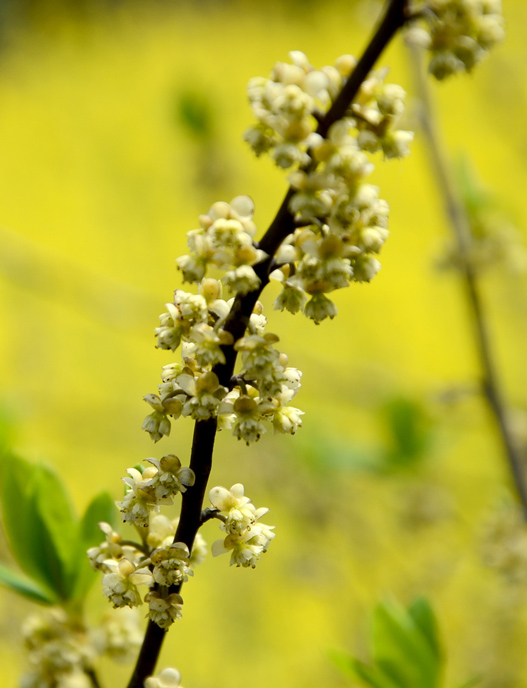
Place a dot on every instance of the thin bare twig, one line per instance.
(460, 223)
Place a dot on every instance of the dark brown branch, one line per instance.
(148, 656)
(94, 680)
(393, 19)
(238, 319)
(189, 522)
(460, 223)
(284, 224)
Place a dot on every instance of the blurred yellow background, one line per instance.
(101, 176)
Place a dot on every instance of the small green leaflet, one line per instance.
(46, 537)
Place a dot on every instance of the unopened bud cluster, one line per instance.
(458, 33)
(246, 538)
(342, 223)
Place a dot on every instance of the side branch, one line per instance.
(461, 227)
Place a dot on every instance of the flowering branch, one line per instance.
(461, 228)
(284, 223)
(238, 319)
(323, 125)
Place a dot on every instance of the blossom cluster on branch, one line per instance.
(246, 539)
(328, 234)
(264, 386)
(457, 33)
(159, 563)
(341, 222)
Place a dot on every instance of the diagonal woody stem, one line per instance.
(460, 224)
(392, 20)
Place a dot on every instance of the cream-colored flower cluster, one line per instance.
(247, 539)
(158, 563)
(289, 105)
(342, 223)
(495, 243)
(159, 560)
(60, 652)
(335, 249)
(458, 33)
(156, 485)
(224, 240)
(119, 635)
(260, 393)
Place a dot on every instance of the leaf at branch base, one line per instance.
(25, 587)
(39, 522)
(56, 510)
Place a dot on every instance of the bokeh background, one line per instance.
(120, 123)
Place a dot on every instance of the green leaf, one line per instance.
(475, 198)
(25, 586)
(23, 532)
(101, 508)
(39, 523)
(400, 647)
(424, 617)
(55, 507)
(6, 429)
(374, 676)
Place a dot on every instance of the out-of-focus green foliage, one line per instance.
(404, 441)
(409, 433)
(46, 538)
(195, 113)
(405, 648)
